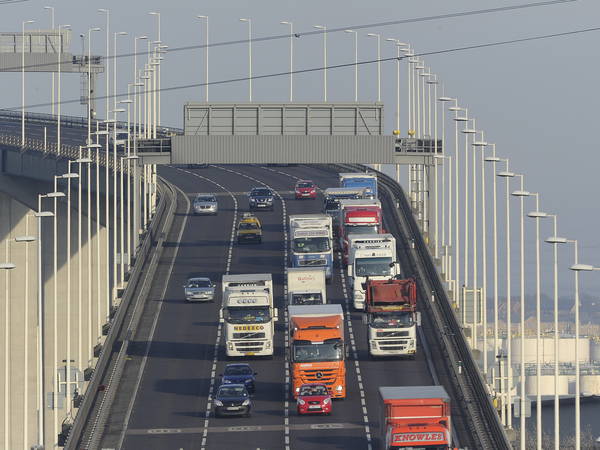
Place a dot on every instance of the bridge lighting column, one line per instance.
(423, 173)
(324, 28)
(353, 32)
(408, 53)
(494, 159)
(556, 336)
(507, 175)
(89, 73)
(58, 106)
(114, 207)
(446, 260)
(400, 46)
(522, 193)
(417, 88)
(205, 58)
(537, 215)
(6, 266)
(483, 145)
(107, 63)
(107, 217)
(127, 102)
(98, 133)
(291, 25)
(25, 22)
(51, 9)
(577, 268)
(136, 123)
(378, 36)
(158, 42)
(249, 22)
(434, 82)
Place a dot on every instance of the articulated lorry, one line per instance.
(392, 317)
(306, 286)
(360, 180)
(360, 217)
(248, 314)
(317, 349)
(311, 241)
(415, 417)
(373, 256)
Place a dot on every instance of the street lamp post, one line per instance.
(6, 266)
(378, 36)
(355, 62)
(537, 215)
(136, 112)
(158, 42)
(324, 28)
(577, 268)
(249, 22)
(25, 22)
(51, 9)
(291, 24)
(507, 174)
(522, 193)
(205, 58)
(58, 106)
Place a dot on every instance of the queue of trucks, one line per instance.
(417, 416)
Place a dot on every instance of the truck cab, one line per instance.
(248, 314)
(414, 417)
(370, 256)
(331, 201)
(317, 349)
(392, 317)
(360, 217)
(306, 286)
(311, 242)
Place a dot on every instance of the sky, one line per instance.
(535, 100)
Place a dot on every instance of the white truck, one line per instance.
(311, 242)
(248, 314)
(373, 256)
(306, 286)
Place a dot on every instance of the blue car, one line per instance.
(239, 374)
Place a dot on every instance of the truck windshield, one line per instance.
(311, 245)
(307, 299)
(373, 267)
(390, 319)
(255, 314)
(361, 229)
(305, 352)
(331, 204)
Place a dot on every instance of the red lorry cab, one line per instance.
(414, 416)
(361, 220)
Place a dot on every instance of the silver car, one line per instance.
(206, 204)
(199, 289)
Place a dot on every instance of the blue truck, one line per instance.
(360, 180)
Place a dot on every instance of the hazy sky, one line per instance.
(535, 100)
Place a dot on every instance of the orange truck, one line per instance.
(317, 349)
(414, 417)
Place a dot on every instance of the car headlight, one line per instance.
(246, 402)
(326, 401)
(339, 388)
(374, 345)
(298, 389)
(301, 402)
(230, 345)
(226, 381)
(252, 200)
(249, 380)
(218, 403)
(268, 344)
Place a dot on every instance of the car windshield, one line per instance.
(361, 229)
(232, 391)
(248, 226)
(333, 351)
(258, 314)
(373, 267)
(206, 198)
(313, 390)
(305, 185)
(199, 283)
(394, 319)
(311, 245)
(238, 370)
(307, 299)
(260, 193)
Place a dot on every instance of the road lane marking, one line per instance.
(246, 429)
(213, 371)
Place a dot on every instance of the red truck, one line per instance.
(358, 219)
(392, 317)
(415, 417)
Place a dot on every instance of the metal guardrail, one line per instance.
(488, 431)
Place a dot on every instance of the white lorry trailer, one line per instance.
(248, 314)
(306, 286)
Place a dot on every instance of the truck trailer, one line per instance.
(317, 348)
(248, 314)
(417, 417)
(360, 180)
(392, 317)
(306, 286)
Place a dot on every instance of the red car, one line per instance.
(305, 189)
(314, 398)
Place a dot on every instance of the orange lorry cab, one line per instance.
(317, 349)
(414, 416)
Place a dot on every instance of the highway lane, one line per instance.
(169, 411)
